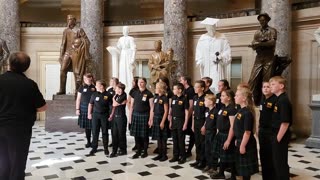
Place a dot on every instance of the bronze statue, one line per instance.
(74, 53)
(159, 62)
(4, 53)
(264, 43)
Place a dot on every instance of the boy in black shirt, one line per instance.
(98, 111)
(119, 118)
(178, 119)
(208, 83)
(281, 121)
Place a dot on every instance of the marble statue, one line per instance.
(4, 54)
(74, 54)
(123, 58)
(159, 62)
(264, 43)
(317, 35)
(213, 53)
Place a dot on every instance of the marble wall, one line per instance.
(43, 44)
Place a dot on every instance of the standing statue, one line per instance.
(74, 53)
(264, 44)
(123, 66)
(213, 53)
(4, 53)
(159, 62)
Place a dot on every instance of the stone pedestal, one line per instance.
(10, 24)
(92, 23)
(314, 139)
(61, 114)
(176, 33)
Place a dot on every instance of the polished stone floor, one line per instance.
(63, 156)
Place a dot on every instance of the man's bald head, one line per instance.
(19, 62)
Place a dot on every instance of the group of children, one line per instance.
(222, 125)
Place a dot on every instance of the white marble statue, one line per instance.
(213, 53)
(123, 58)
(317, 35)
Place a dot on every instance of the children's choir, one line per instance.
(222, 125)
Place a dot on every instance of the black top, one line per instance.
(223, 121)
(141, 101)
(211, 119)
(101, 101)
(189, 93)
(159, 102)
(169, 93)
(132, 91)
(198, 106)
(19, 99)
(178, 106)
(218, 101)
(244, 122)
(86, 92)
(208, 92)
(266, 111)
(282, 111)
(111, 91)
(121, 109)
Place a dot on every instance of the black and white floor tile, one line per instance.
(63, 156)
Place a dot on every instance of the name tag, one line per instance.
(260, 107)
(144, 98)
(97, 98)
(220, 112)
(195, 103)
(207, 114)
(174, 102)
(85, 90)
(217, 101)
(155, 100)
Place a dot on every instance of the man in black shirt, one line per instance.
(20, 101)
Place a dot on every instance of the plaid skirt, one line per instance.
(247, 164)
(157, 133)
(139, 125)
(226, 156)
(83, 120)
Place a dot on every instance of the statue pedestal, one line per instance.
(314, 139)
(61, 114)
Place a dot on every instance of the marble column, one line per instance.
(176, 33)
(92, 23)
(10, 24)
(280, 13)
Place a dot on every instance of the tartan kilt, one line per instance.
(157, 133)
(226, 156)
(139, 124)
(247, 164)
(83, 120)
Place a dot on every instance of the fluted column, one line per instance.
(176, 33)
(92, 23)
(10, 24)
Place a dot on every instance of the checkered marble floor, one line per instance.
(63, 156)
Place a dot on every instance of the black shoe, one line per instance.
(136, 156)
(92, 152)
(182, 161)
(144, 155)
(113, 154)
(156, 151)
(200, 166)
(134, 148)
(174, 159)
(188, 154)
(110, 145)
(194, 163)
(88, 145)
(163, 158)
(121, 153)
(157, 158)
(218, 176)
(106, 152)
(206, 169)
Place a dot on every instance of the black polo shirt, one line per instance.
(198, 106)
(223, 121)
(159, 102)
(141, 101)
(282, 111)
(169, 93)
(19, 99)
(178, 106)
(101, 102)
(86, 92)
(208, 92)
(211, 119)
(132, 91)
(218, 101)
(121, 109)
(111, 91)
(266, 111)
(244, 122)
(189, 93)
